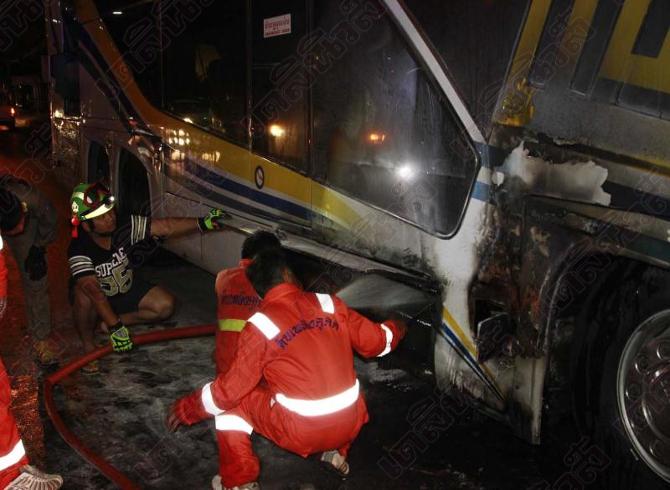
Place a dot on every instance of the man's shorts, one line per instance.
(129, 302)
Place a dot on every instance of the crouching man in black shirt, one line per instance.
(101, 261)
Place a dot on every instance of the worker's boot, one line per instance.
(33, 479)
(217, 485)
(46, 352)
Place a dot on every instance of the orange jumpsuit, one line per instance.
(237, 300)
(292, 380)
(12, 453)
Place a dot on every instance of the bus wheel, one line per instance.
(633, 413)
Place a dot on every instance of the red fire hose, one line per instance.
(70, 438)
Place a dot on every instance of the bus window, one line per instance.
(491, 44)
(382, 132)
(133, 187)
(204, 65)
(280, 83)
(98, 164)
(134, 27)
(194, 67)
(65, 71)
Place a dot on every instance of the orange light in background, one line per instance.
(376, 138)
(12, 111)
(277, 131)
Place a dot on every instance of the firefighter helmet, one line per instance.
(89, 201)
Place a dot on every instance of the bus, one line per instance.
(507, 159)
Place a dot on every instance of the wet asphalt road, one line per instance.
(416, 439)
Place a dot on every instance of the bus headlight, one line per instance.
(405, 171)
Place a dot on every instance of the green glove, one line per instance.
(121, 340)
(213, 221)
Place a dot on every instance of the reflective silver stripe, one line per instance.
(324, 406)
(138, 226)
(389, 339)
(326, 301)
(232, 423)
(13, 457)
(80, 263)
(99, 211)
(208, 400)
(2, 244)
(265, 325)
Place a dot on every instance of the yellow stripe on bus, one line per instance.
(466, 341)
(622, 65)
(205, 146)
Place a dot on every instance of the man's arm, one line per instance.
(90, 286)
(368, 338)
(226, 391)
(174, 227)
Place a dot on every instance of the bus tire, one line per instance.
(632, 404)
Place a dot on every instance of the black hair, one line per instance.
(10, 210)
(258, 242)
(267, 270)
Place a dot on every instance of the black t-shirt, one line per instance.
(131, 244)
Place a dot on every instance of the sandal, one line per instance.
(335, 462)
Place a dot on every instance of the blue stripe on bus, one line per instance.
(107, 72)
(633, 199)
(220, 181)
(481, 192)
(463, 352)
(215, 196)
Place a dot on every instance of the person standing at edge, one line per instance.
(292, 379)
(15, 472)
(100, 256)
(29, 225)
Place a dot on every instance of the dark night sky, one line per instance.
(21, 55)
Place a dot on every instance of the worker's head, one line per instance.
(269, 269)
(12, 213)
(93, 207)
(259, 242)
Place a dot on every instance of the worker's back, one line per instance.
(292, 378)
(236, 302)
(310, 357)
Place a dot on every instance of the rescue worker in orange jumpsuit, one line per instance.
(237, 299)
(15, 472)
(292, 379)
